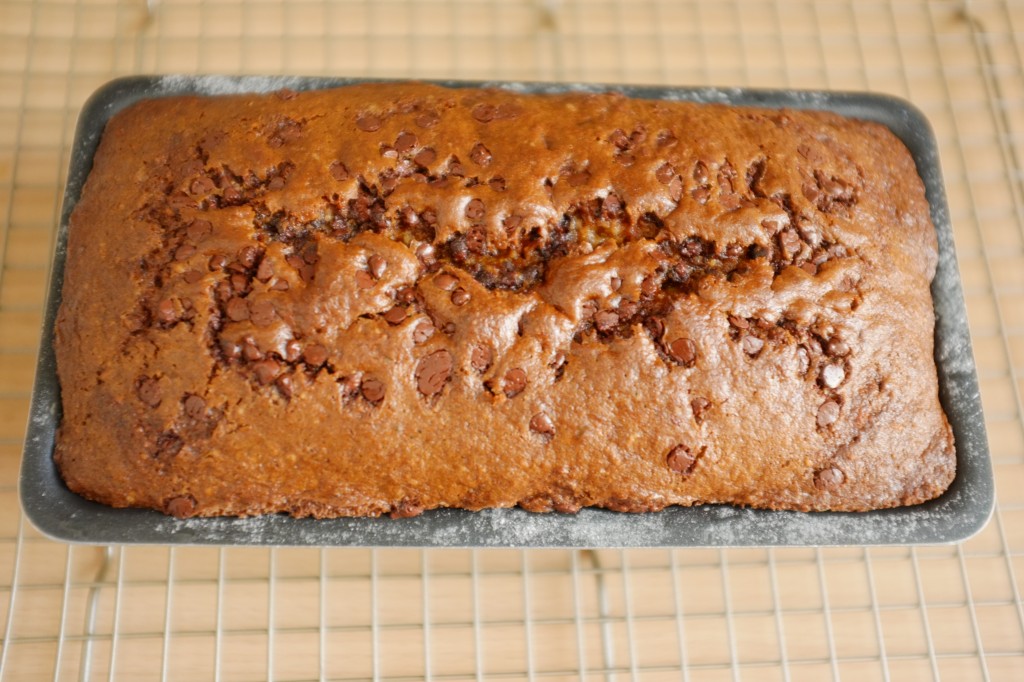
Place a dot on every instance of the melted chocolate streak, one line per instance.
(684, 264)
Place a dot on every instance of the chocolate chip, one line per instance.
(427, 119)
(448, 328)
(681, 460)
(619, 138)
(372, 389)
(649, 286)
(405, 509)
(267, 370)
(701, 195)
(148, 390)
(406, 295)
(166, 311)
(675, 189)
(433, 372)
(700, 173)
(377, 265)
(239, 282)
(752, 345)
(284, 385)
(446, 281)
(314, 355)
(542, 424)
(247, 256)
(476, 240)
(485, 113)
(579, 178)
(497, 184)
(195, 407)
(217, 262)
(790, 242)
(426, 254)
(202, 185)
(558, 364)
(184, 252)
(265, 270)
(683, 350)
(423, 331)
(425, 157)
(480, 358)
(181, 507)
(828, 413)
(588, 308)
(280, 285)
(198, 230)
(237, 309)
(666, 138)
(368, 122)
(262, 313)
(480, 155)
(475, 209)
(193, 276)
(364, 280)
(699, 405)
(615, 282)
(809, 191)
(515, 382)
(829, 478)
(460, 296)
(250, 351)
(656, 327)
(612, 205)
(168, 444)
(628, 309)
(277, 182)
(292, 350)
(837, 347)
(832, 375)
(810, 268)
(606, 320)
(404, 142)
(230, 349)
(395, 315)
(665, 173)
(738, 322)
(339, 171)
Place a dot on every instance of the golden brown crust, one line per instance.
(390, 298)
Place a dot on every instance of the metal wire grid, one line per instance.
(789, 614)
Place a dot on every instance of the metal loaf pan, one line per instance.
(959, 513)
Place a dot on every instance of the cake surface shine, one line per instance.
(388, 298)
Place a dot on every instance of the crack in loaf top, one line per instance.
(412, 253)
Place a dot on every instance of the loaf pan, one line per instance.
(959, 513)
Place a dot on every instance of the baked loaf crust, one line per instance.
(387, 298)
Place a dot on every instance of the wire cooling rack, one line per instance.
(897, 613)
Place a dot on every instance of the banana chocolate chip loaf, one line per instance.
(387, 298)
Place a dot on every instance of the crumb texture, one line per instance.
(388, 298)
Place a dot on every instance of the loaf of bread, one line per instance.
(387, 298)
